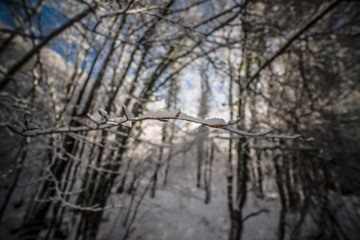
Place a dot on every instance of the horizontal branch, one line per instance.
(108, 121)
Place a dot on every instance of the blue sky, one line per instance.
(48, 18)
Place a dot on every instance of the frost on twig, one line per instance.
(127, 113)
(65, 203)
(128, 117)
(30, 125)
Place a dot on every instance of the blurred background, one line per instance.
(291, 67)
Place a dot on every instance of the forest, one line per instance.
(180, 119)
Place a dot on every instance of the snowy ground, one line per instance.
(178, 211)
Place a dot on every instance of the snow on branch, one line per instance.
(128, 117)
(65, 203)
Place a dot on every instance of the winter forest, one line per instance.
(180, 119)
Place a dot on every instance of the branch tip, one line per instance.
(178, 111)
(103, 113)
(15, 129)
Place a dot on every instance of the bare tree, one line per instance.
(82, 80)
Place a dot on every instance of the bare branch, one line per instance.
(110, 121)
(254, 214)
(310, 23)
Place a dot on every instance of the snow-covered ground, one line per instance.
(178, 210)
